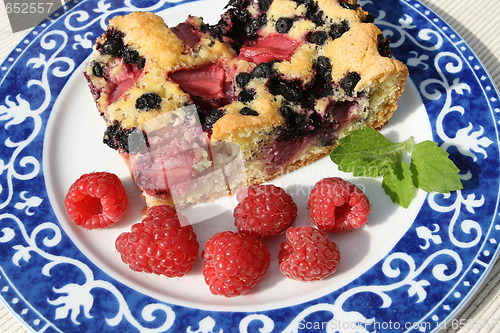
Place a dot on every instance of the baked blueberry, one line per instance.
(313, 13)
(349, 6)
(286, 112)
(211, 118)
(253, 26)
(349, 82)
(383, 46)
(110, 134)
(113, 44)
(97, 69)
(263, 70)
(323, 67)
(338, 29)
(317, 37)
(264, 4)
(290, 90)
(141, 63)
(284, 24)
(246, 111)
(130, 56)
(246, 96)
(370, 18)
(296, 124)
(148, 101)
(242, 79)
(131, 140)
(215, 30)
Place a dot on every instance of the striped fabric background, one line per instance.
(478, 23)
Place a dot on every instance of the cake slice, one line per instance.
(198, 111)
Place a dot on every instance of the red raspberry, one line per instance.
(96, 200)
(266, 210)
(308, 254)
(159, 244)
(337, 205)
(234, 263)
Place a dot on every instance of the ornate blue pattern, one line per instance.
(423, 281)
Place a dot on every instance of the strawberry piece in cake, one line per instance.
(268, 89)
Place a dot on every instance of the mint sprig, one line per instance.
(368, 153)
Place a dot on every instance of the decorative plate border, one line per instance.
(451, 245)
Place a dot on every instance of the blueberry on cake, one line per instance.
(200, 110)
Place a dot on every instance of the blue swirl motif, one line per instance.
(207, 325)
(75, 296)
(469, 142)
(17, 111)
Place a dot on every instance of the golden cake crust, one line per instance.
(355, 51)
(148, 33)
(360, 86)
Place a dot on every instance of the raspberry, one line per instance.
(266, 210)
(159, 244)
(234, 263)
(337, 205)
(308, 254)
(96, 200)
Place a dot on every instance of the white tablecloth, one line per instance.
(478, 22)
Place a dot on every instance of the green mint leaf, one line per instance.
(368, 153)
(398, 184)
(432, 169)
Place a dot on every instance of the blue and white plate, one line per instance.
(406, 270)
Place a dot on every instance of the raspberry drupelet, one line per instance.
(234, 263)
(264, 210)
(96, 200)
(337, 205)
(308, 254)
(159, 244)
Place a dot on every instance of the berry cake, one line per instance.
(200, 110)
